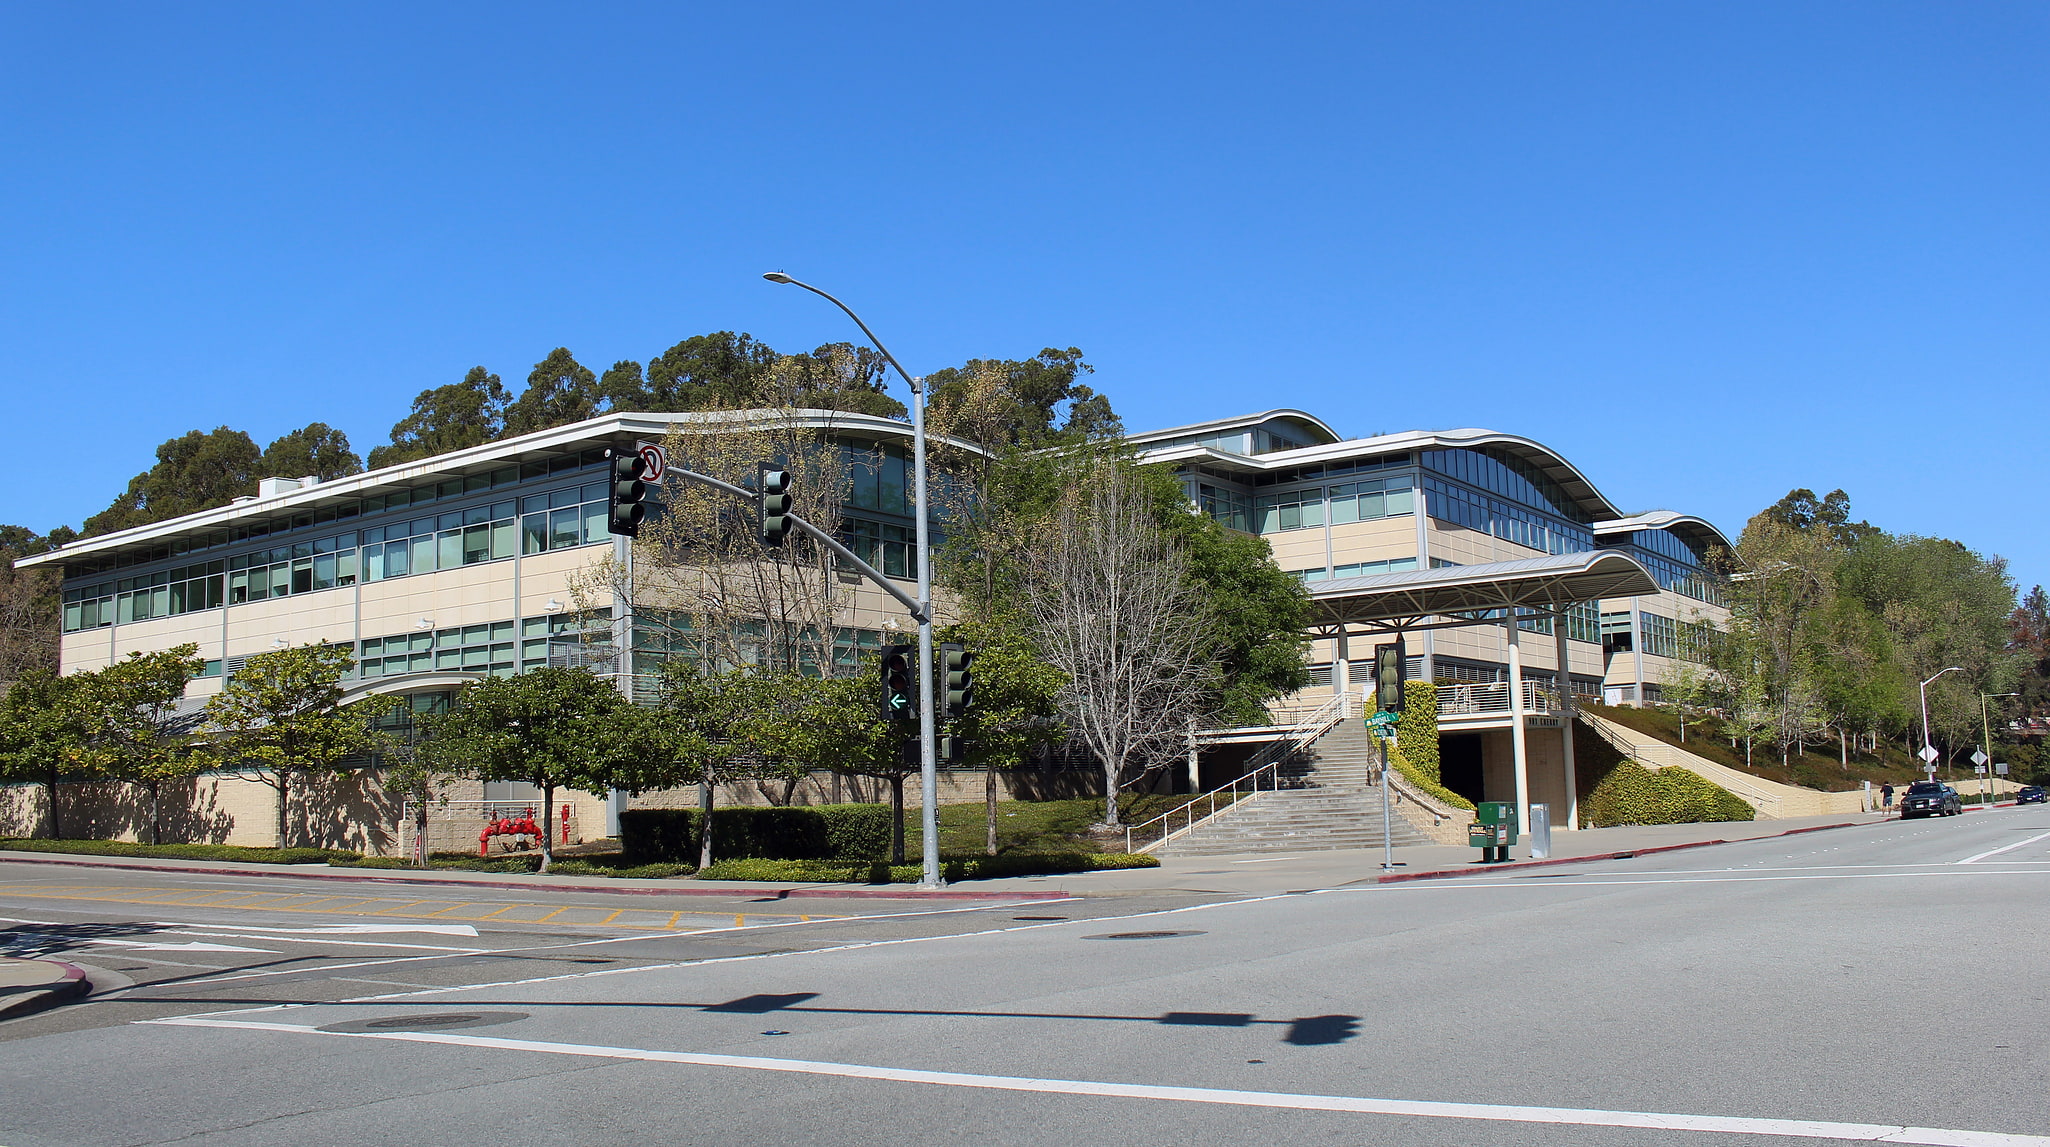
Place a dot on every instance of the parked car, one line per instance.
(1930, 798)
(2030, 794)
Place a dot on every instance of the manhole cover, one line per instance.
(1140, 935)
(440, 1021)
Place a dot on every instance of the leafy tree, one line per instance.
(132, 726)
(448, 418)
(836, 376)
(1828, 517)
(560, 390)
(717, 371)
(316, 449)
(1038, 401)
(1015, 710)
(41, 738)
(551, 728)
(281, 717)
(195, 471)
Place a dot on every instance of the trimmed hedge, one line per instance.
(951, 869)
(529, 863)
(1414, 776)
(819, 832)
(1417, 729)
(1633, 794)
(233, 852)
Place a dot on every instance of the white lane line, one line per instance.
(1998, 851)
(1432, 885)
(749, 957)
(1495, 1112)
(613, 940)
(335, 929)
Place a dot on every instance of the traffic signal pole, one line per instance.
(927, 766)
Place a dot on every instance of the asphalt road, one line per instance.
(1877, 983)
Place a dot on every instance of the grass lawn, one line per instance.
(1816, 768)
(1033, 827)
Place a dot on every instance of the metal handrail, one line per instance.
(1248, 784)
(1493, 697)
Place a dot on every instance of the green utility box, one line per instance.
(1493, 830)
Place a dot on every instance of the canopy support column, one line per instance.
(1567, 716)
(1341, 671)
(1516, 719)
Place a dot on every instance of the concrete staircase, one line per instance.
(1328, 801)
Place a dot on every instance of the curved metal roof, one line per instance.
(1697, 532)
(1403, 600)
(1241, 420)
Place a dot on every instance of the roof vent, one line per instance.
(272, 487)
(241, 498)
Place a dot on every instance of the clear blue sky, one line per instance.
(1709, 252)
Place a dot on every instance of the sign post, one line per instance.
(1979, 762)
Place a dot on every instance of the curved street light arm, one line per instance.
(780, 277)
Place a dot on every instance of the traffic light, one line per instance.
(627, 492)
(900, 699)
(772, 492)
(957, 664)
(1388, 666)
(952, 750)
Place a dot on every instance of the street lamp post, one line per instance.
(927, 757)
(1986, 731)
(1929, 750)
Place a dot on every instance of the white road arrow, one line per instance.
(141, 946)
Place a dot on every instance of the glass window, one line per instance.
(565, 527)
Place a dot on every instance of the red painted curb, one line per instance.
(767, 893)
(70, 988)
(1482, 869)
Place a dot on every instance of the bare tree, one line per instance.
(1112, 607)
(706, 595)
(702, 583)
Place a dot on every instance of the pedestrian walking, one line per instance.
(1886, 795)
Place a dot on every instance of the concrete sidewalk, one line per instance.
(1268, 873)
(32, 985)
(1244, 875)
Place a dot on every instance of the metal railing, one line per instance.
(1263, 775)
(1493, 697)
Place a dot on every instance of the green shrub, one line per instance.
(528, 863)
(1689, 798)
(844, 831)
(1632, 794)
(234, 852)
(951, 869)
(1417, 730)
